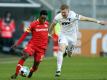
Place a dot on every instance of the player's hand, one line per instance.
(102, 22)
(49, 36)
(13, 46)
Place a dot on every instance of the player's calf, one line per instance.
(32, 70)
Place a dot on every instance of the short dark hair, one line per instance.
(64, 6)
(43, 12)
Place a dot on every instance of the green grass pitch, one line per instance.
(74, 68)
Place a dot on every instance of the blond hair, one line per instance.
(64, 6)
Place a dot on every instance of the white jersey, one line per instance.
(69, 25)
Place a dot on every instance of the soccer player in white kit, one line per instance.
(68, 34)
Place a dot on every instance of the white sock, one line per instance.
(59, 60)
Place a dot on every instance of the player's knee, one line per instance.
(62, 49)
(25, 56)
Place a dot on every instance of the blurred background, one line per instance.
(17, 14)
(89, 60)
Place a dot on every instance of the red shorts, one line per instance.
(37, 52)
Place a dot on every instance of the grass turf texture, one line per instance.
(74, 68)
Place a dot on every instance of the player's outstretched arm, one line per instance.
(83, 18)
(20, 40)
(104, 22)
(51, 28)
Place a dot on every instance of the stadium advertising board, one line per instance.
(91, 42)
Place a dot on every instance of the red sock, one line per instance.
(19, 65)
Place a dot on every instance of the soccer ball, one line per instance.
(24, 71)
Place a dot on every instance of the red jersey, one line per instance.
(39, 34)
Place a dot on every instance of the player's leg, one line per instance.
(38, 56)
(62, 46)
(20, 64)
(33, 68)
(28, 51)
(71, 44)
(71, 47)
(70, 50)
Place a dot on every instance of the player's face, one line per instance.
(65, 13)
(42, 18)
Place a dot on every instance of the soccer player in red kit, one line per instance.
(36, 46)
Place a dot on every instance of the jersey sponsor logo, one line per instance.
(65, 23)
(43, 29)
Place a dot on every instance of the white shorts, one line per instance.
(67, 40)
